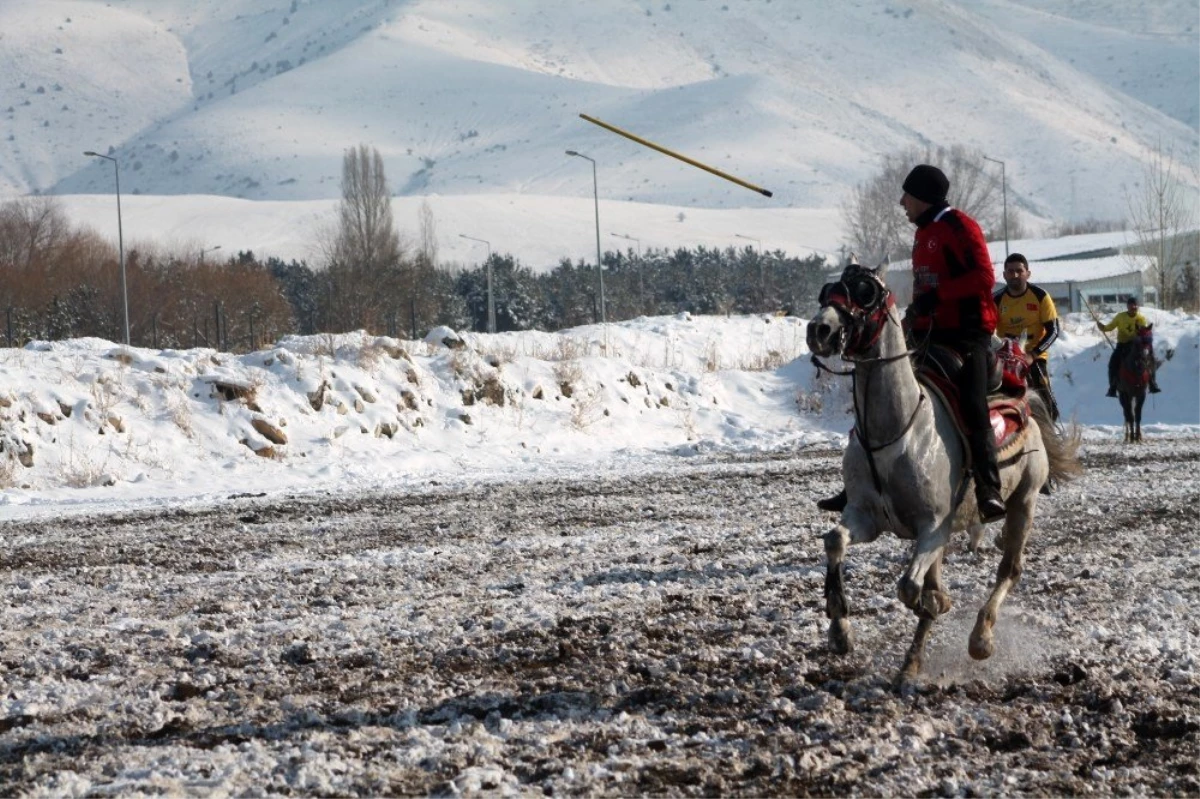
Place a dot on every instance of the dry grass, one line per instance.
(568, 372)
(586, 410)
(80, 470)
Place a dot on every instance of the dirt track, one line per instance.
(598, 637)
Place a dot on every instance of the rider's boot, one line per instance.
(1154, 389)
(1112, 390)
(836, 503)
(987, 476)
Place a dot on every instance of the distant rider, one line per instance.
(1127, 324)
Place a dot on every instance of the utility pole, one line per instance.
(596, 200)
(120, 241)
(491, 300)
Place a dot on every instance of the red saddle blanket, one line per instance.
(1008, 411)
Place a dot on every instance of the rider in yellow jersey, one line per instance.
(1027, 310)
(1127, 324)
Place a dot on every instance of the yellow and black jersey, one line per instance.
(1031, 314)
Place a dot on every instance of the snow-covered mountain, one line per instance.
(258, 99)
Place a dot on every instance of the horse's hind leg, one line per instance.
(1016, 531)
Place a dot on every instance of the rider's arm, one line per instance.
(1048, 315)
(1048, 337)
(969, 271)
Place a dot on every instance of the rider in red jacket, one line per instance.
(952, 306)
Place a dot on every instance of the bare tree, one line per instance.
(427, 226)
(1162, 208)
(875, 223)
(31, 229)
(365, 254)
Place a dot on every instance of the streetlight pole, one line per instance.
(596, 199)
(641, 270)
(120, 241)
(206, 250)
(491, 320)
(1004, 197)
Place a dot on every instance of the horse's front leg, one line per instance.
(922, 590)
(856, 526)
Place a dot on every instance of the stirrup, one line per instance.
(991, 509)
(834, 504)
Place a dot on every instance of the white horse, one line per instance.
(906, 470)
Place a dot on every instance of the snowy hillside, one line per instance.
(259, 98)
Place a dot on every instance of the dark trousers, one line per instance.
(1039, 381)
(972, 382)
(1114, 362)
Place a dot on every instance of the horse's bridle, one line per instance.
(863, 302)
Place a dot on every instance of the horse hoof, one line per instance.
(909, 593)
(981, 648)
(939, 600)
(841, 637)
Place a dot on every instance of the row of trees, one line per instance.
(57, 282)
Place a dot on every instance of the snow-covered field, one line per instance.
(605, 635)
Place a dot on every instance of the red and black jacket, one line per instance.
(953, 276)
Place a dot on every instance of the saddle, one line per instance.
(1008, 405)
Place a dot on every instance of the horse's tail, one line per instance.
(1061, 443)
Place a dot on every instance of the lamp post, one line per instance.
(596, 199)
(120, 241)
(1004, 198)
(491, 319)
(207, 250)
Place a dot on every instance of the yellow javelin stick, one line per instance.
(683, 158)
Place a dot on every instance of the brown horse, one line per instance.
(1133, 377)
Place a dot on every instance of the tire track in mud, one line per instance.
(603, 636)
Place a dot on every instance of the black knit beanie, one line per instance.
(927, 183)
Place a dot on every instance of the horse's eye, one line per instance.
(823, 297)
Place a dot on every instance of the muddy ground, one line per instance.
(660, 635)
